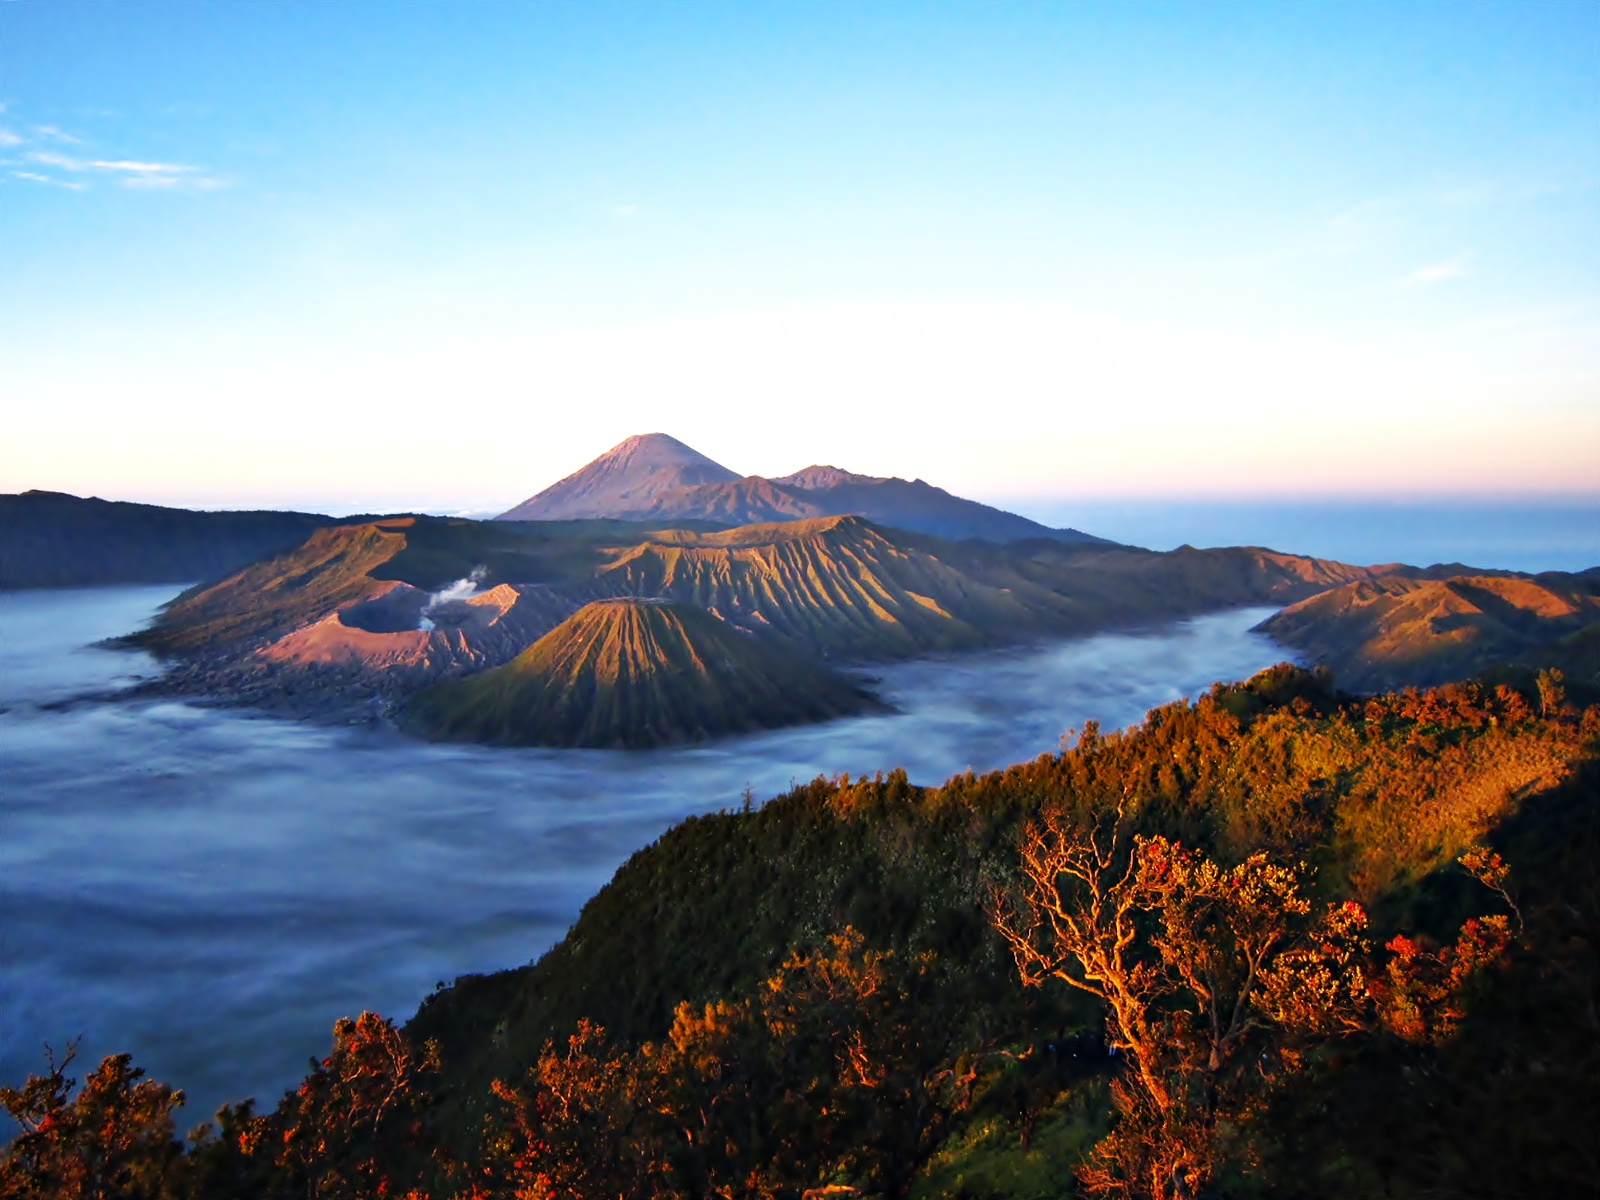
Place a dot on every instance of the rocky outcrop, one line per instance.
(404, 627)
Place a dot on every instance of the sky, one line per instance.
(376, 256)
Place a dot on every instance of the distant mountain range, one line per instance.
(654, 477)
(656, 596)
(712, 631)
(51, 539)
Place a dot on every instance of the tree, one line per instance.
(114, 1139)
(569, 1121)
(1552, 691)
(1217, 982)
(353, 1125)
(832, 1075)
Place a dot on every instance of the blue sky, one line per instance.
(428, 255)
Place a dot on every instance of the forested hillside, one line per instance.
(1274, 941)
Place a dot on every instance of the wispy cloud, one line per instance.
(31, 177)
(49, 164)
(1451, 269)
(130, 172)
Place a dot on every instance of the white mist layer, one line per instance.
(248, 880)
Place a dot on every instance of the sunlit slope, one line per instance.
(654, 477)
(331, 569)
(1384, 799)
(1399, 631)
(841, 586)
(846, 586)
(344, 569)
(628, 480)
(636, 673)
(405, 628)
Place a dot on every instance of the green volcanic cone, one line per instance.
(636, 673)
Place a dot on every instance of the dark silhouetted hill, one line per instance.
(50, 539)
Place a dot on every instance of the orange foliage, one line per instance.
(813, 1084)
(1218, 984)
(113, 1139)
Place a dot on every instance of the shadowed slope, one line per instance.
(636, 673)
(920, 507)
(1400, 631)
(49, 539)
(1148, 583)
(749, 501)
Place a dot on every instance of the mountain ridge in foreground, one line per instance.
(655, 477)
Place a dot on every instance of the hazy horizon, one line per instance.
(1522, 532)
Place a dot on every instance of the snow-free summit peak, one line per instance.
(630, 477)
(654, 477)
